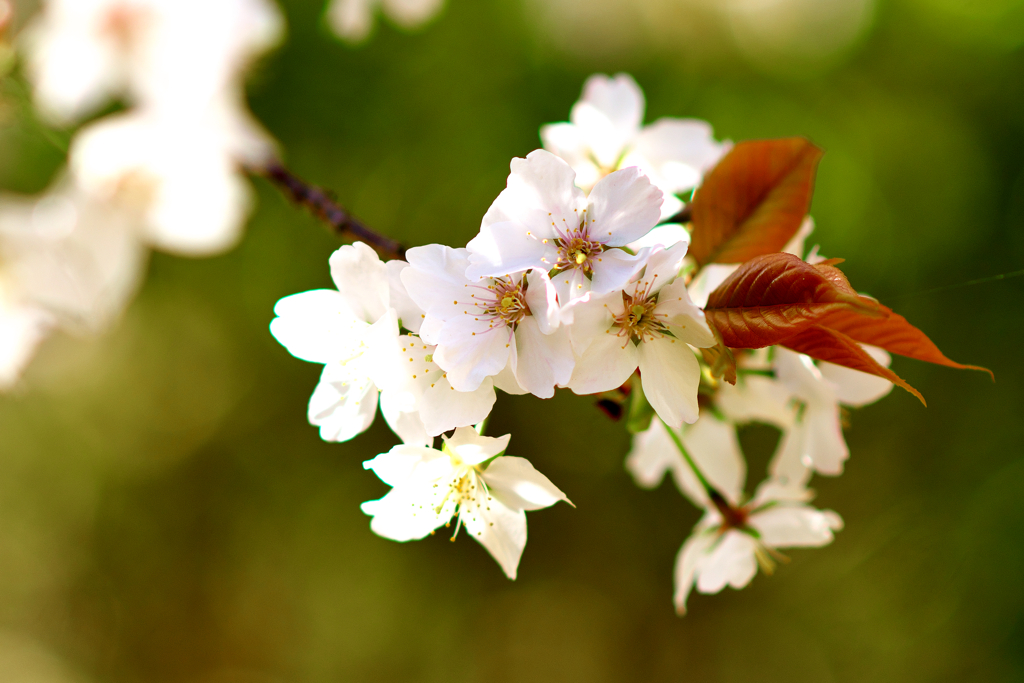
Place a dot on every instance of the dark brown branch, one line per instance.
(685, 215)
(320, 203)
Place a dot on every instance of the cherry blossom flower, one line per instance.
(70, 254)
(815, 440)
(82, 53)
(177, 174)
(543, 221)
(730, 541)
(469, 478)
(481, 326)
(605, 134)
(651, 325)
(354, 332)
(352, 20)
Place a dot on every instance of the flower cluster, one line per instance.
(576, 280)
(165, 173)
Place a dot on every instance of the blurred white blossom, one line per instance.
(82, 53)
(352, 20)
(470, 478)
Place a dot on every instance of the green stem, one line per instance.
(708, 488)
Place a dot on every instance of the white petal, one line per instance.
(825, 449)
(654, 453)
(685, 320)
(566, 141)
(731, 562)
(469, 351)
(541, 361)
(670, 374)
(499, 529)
(406, 513)
(409, 313)
(507, 382)
(614, 268)
(21, 331)
(677, 152)
(542, 300)
(473, 448)
(624, 206)
(516, 483)
(436, 280)
(362, 278)
(407, 424)
(398, 465)
(789, 466)
(342, 407)
(787, 526)
(605, 365)
(855, 388)
(443, 409)
(756, 398)
(619, 98)
(609, 115)
(691, 556)
(663, 266)
(666, 235)
(713, 444)
(411, 14)
(509, 247)
(317, 326)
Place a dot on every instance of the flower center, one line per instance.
(509, 303)
(638, 321)
(576, 249)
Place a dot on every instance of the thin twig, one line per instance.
(320, 203)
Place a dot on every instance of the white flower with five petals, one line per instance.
(651, 325)
(470, 478)
(730, 541)
(482, 326)
(543, 221)
(606, 133)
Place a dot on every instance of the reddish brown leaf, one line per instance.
(894, 334)
(754, 200)
(775, 296)
(835, 347)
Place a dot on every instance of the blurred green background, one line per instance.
(167, 515)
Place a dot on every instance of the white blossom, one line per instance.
(815, 440)
(730, 541)
(650, 325)
(82, 53)
(178, 175)
(470, 478)
(354, 331)
(542, 220)
(606, 133)
(482, 326)
(352, 20)
(70, 254)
